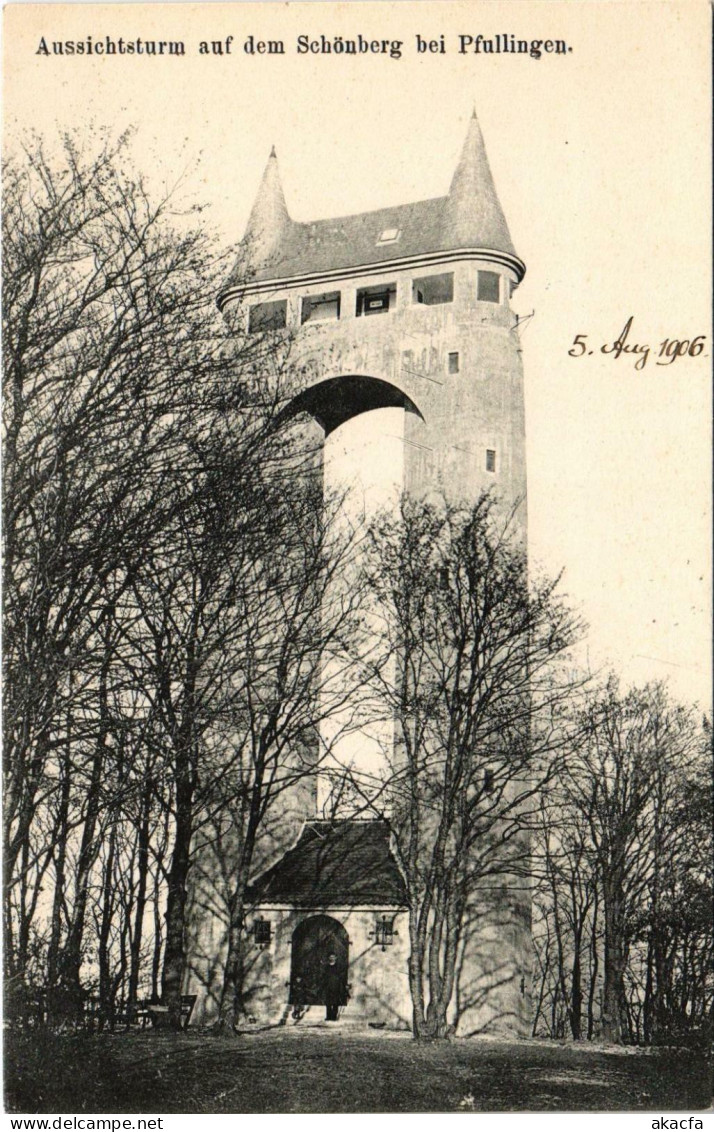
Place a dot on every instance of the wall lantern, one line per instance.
(262, 933)
(384, 933)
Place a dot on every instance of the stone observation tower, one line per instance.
(400, 315)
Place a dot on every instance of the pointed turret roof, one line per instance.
(473, 215)
(470, 218)
(269, 221)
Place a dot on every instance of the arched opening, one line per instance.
(364, 425)
(336, 400)
(316, 979)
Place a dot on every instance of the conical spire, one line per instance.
(473, 216)
(269, 219)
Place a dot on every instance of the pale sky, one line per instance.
(602, 163)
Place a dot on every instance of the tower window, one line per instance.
(434, 289)
(490, 460)
(488, 286)
(268, 316)
(316, 308)
(376, 300)
(488, 781)
(454, 362)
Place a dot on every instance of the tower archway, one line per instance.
(336, 400)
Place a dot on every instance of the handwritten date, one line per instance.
(668, 351)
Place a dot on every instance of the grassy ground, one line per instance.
(339, 1071)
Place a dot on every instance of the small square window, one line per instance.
(488, 286)
(268, 316)
(320, 308)
(262, 932)
(454, 362)
(434, 289)
(490, 460)
(376, 300)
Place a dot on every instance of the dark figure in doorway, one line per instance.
(333, 988)
(298, 1000)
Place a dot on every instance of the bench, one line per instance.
(158, 1014)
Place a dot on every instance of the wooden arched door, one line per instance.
(314, 978)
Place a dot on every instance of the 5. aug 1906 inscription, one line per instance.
(668, 350)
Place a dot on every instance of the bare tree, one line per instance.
(625, 848)
(467, 667)
(298, 638)
(141, 446)
(230, 641)
(566, 899)
(106, 328)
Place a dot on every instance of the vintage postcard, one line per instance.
(357, 558)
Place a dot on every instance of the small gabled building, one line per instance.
(338, 891)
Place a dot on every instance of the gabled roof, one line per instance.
(276, 247)
(348, 241)
(334, 864)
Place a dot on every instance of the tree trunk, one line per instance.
(158, 937)
(16, 836)
(23, 924)
(614, 965)
(60, 863)
(594, 968)
(576, 989)
(232, 1007)
(70, 960)
(416, 975)
(435, 1013)
(648, 1006)
(232, 997)
(175, 949)
(106, 995)
(143, 867)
